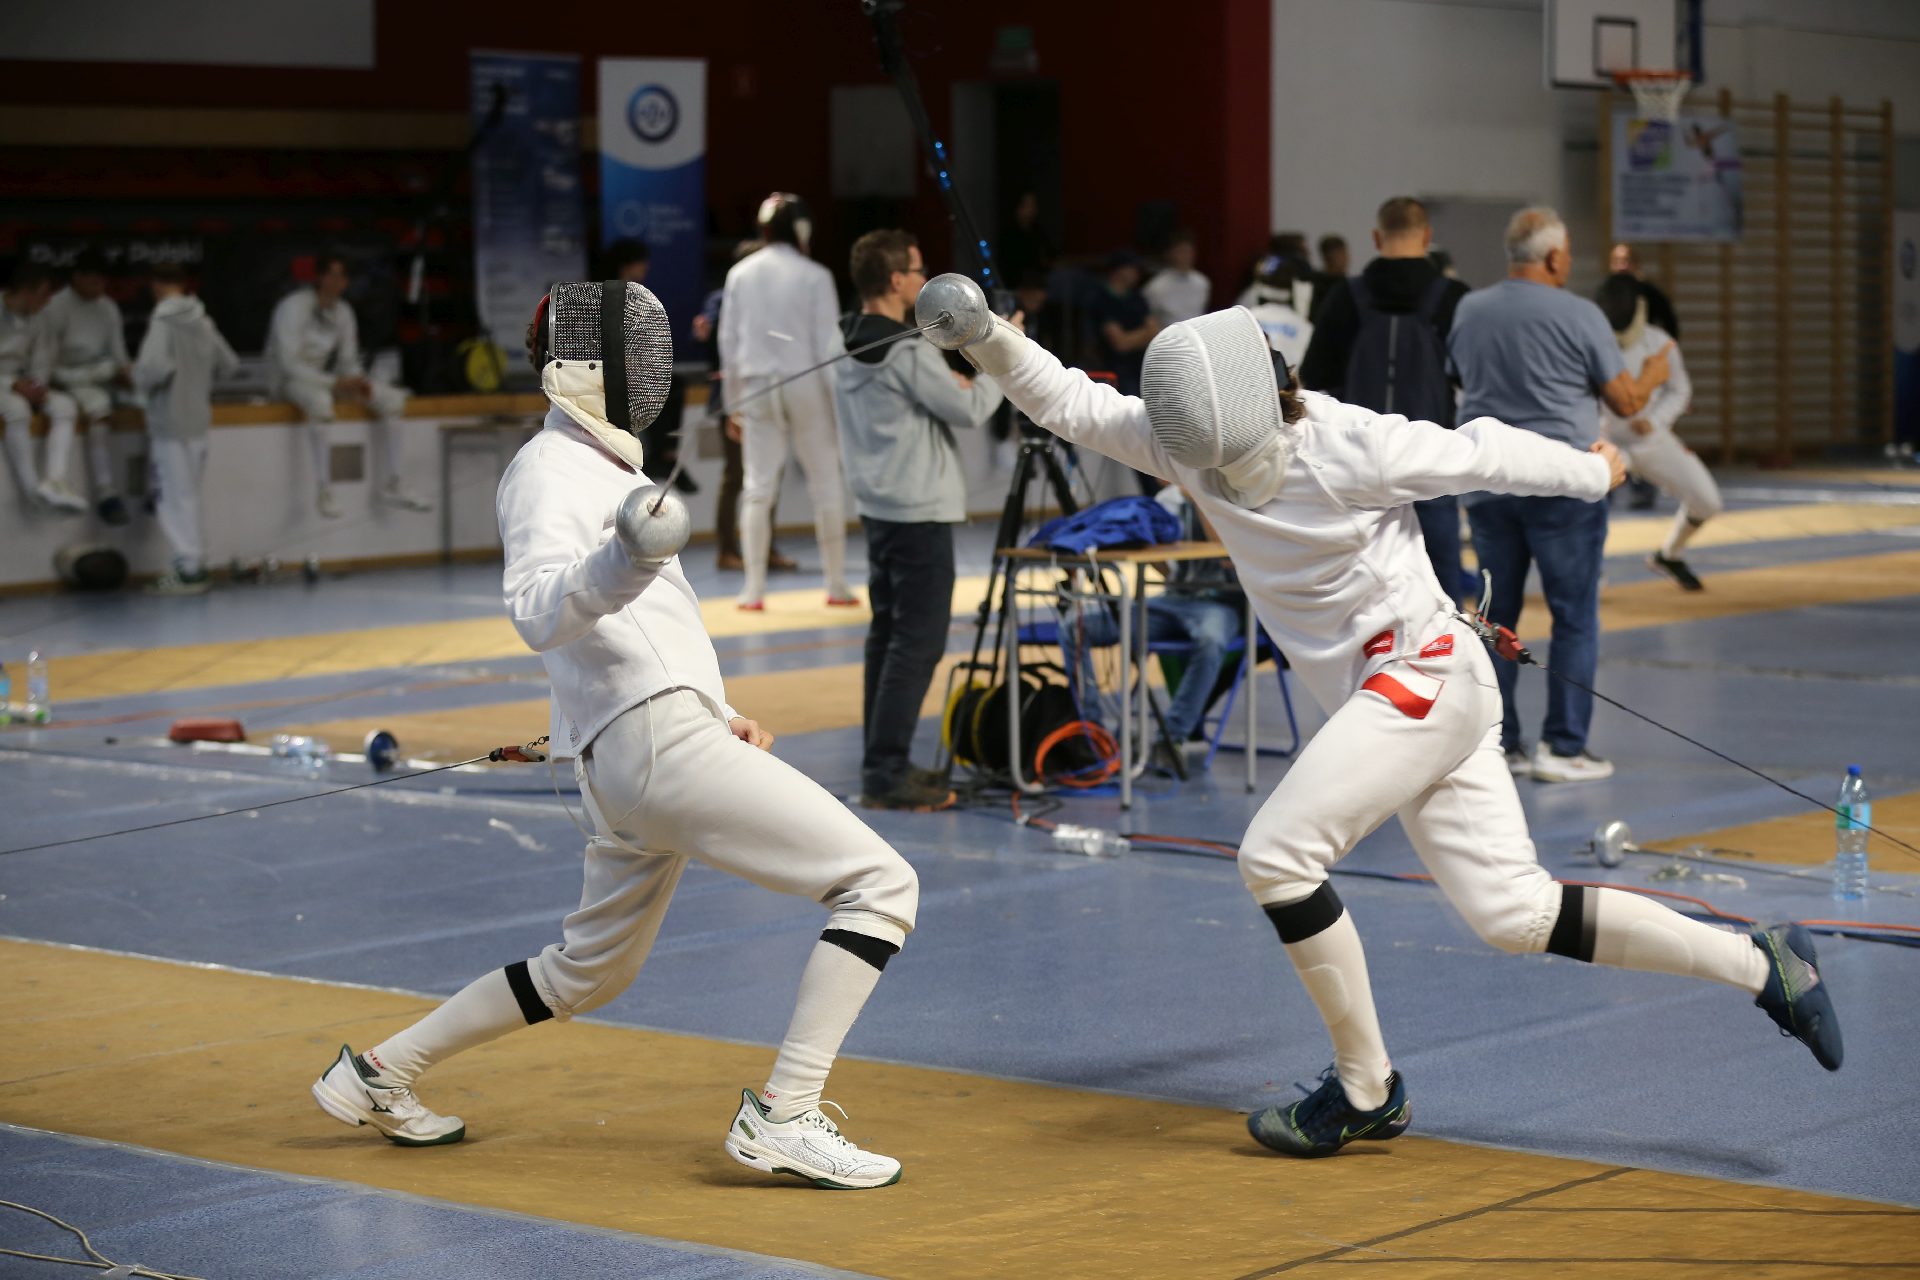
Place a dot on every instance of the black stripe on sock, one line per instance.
(1315, 913)
(532, 1007)
(1573, 932)
(874, 951)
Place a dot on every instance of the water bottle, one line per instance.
(1095, 842)
(1850, 837)
(6, 695)
(310, 754)
(39, 699)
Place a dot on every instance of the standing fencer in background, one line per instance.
(313, 350)
(1312, 499)
(779, 315)
(1653, 451)
(23, 393)
(667, 771)
(86, 351)
(180, 356)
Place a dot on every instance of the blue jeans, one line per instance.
(1440, 529)
(1567, 538)
(1210, 626)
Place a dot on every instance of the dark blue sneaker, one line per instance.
(1323, 1122)
(1794, 996)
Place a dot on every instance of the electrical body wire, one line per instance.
(95, 1259)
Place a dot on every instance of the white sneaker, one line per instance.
(1549, 766)
(398, 495)
(350, 1095)
(178, 582)
(60, 498)
(326, 503)
(1519, 763)
(809, 1147)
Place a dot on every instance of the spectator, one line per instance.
(180, 356)
(313, 351)
(726, 511)
(1122, 323)
(1025, 249)
(86, 354)
(1278, 298)
(779, 316)
(899, 406)
(1335, 260)
(1661, 315)
(1361, 354)
(1042, 315)
(1178, 292)
(1534, 356)
(23, 392)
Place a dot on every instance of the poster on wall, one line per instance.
(1906, 327)
(529, 224)
(1676, 179)
(653, 172)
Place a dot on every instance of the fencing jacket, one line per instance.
(1335, 565)
(779, 314)
(611, 635)
(311, 344)
(22, 347)
(86, 340)
(1669, 400)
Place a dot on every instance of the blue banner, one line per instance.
(529, 224)
(653, 173)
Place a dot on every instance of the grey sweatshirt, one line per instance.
(174, 371)
(898, 407)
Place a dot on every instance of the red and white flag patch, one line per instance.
(1411, 694)
(1441, 648)
(1380, 644)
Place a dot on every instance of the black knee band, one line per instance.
(1298, 921)
(873, 950)
(520, 982)
(1572, 935)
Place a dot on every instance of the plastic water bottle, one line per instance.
(310, 754)
(39, 698)
(1095, 842)
(6, 695)
(1850, 837)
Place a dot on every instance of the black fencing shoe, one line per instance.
(1677, 570)
(1324, 1121)
(1794, 996)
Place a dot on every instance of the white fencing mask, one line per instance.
(1212, 394)
(608, 360)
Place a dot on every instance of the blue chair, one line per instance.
(1264, 648)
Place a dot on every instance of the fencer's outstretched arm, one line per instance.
(565, 569)
(1067, 402)
(1401, 462)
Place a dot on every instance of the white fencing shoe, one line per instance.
(398, 495)
(326, 503)
(352, 1094)
(60, 498)
(809, 1147)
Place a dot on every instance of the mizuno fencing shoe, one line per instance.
(1794, 996)
(809, 1146)
(353, 1093)
(1324, 1121)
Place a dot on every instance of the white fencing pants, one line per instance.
(315, 402)
(61, 412)
(95, 402)
(1676, 471)
(668, 782)
(18, 415)
(177, 467)
(799, 419)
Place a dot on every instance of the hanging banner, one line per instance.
(653, 172)
(529, 224)
(1906, 328)
(1676, 180)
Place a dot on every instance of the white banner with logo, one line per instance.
(1676, 179)
(653, 172)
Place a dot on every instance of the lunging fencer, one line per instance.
(1312, 499)
(667, 771)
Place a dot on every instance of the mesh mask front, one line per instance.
(645, 349)
(1208, 385)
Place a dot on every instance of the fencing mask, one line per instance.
(605, 354)
(1211, 386)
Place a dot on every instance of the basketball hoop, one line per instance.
(1658, 94)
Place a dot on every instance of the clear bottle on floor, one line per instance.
(1095, 842)
(310, 754)
(39, 707)
(1850, 824)
(6, 695)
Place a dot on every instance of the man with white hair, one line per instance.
(1534, 356)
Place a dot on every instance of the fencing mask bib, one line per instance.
(607, 360)
(1212, 391)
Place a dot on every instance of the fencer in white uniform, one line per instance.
(86, 349)
(180, 356)
(23, 391)
(313, 350)
(1653, 451)
(779, 315)
(1313, 498)
(668, 772)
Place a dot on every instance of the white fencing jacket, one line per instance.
(1334, 565)
(611, 635)
(22, 347)
(1669, 400)
(86, 340)
(779, 314)
(311, 344)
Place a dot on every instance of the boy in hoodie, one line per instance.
(898, 407)
(667, 771)
(180, 356)
(86, 351)
(24, 391)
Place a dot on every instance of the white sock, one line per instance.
(833, 989)
(1684, 527)
(100, 459)
(830, 531)
(19, 445)
(485, 1009)
(1333, 966)
(1632, 931)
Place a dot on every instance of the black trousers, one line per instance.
(910, 585)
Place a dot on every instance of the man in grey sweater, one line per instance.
(898, 407)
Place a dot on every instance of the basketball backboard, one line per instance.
(1586, 40)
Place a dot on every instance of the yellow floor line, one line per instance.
(1807, 838)
(1637, 535)
(618, 1128)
